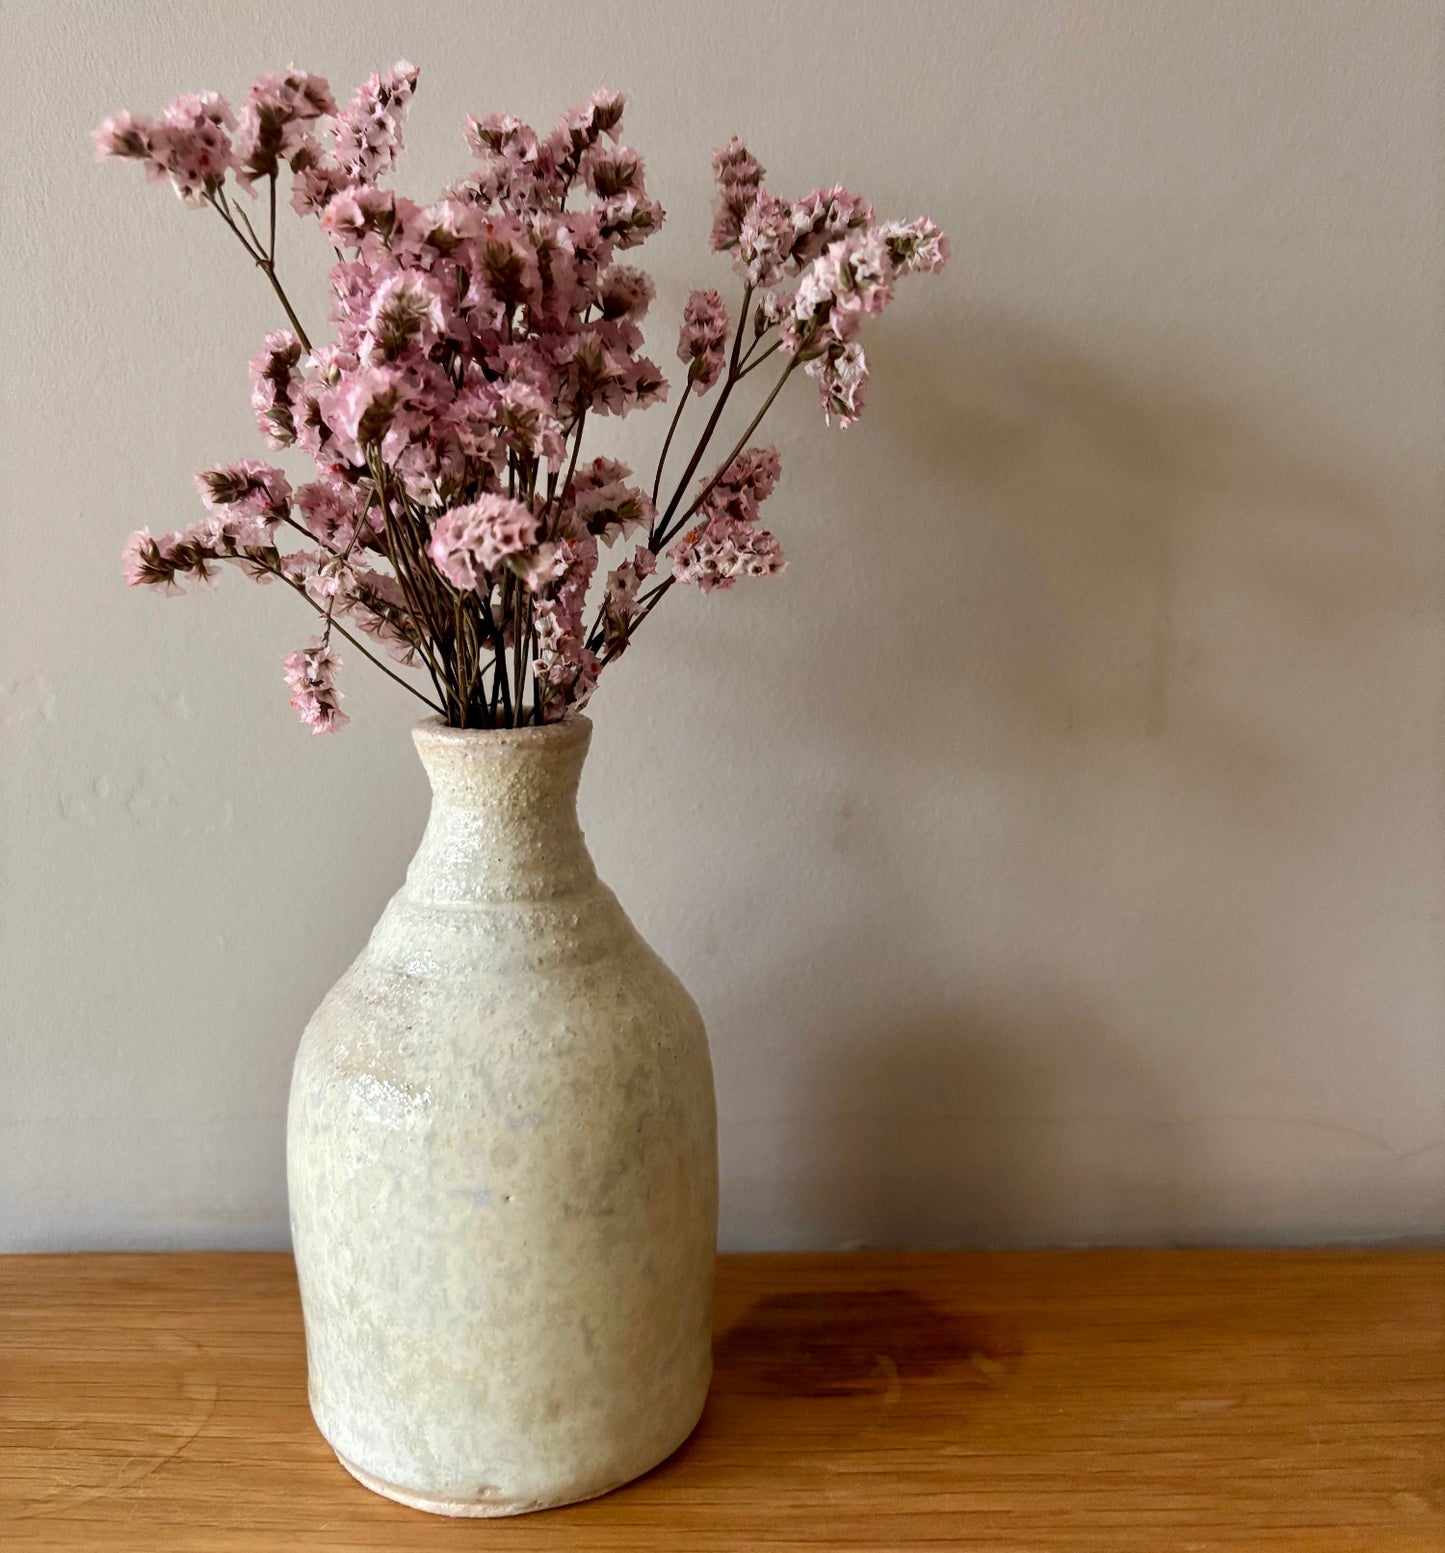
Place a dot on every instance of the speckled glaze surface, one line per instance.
(502, 1162)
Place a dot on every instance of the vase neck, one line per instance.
(503, 822)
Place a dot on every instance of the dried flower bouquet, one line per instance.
(452, 522)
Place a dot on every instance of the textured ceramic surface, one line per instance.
(502, 1162)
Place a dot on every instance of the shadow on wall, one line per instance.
(1102, 539)
(1094, 571)
(950, 1131)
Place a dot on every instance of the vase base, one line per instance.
(486, 1505)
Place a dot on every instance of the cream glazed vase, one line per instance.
(502, 1161)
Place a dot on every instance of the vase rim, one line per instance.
(572, 728)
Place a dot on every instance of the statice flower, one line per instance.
(366, 408)
(191, 553)
(625, 294)
(915, 247)
(619, 602)
(765, 242)
(190, 144)
(470, 543)
(842, 379)
(273, 372)
(453, 516)
(271, 123)
(369, 127)
(566, 669)
(311, 678)
(703, 339)
(334, 509)
(405, 314)
(739, 177)
(125, 137)
(715, 555)
(253, 498)
(825, 217)
(728, 543)
(603, 503)
(148, 562)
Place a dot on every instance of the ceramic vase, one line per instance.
(502, 1161)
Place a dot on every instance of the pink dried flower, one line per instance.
(193, 146)
(315, 178)
(628, 219)
(580, 128)
(361, 411)
(526, 423)
(270, 126)
(765, 241)
(311, 678)
(727, 544)
(469, 543)
(566, 669)
(369, 127)
(739, 177)
(603, 504)
(190, 144)
(771, 311)
(126, 137)
(247, 484)
(915, 246)
(625, 293)
(332, 509)
(702, 342)
(406, 312)
(825, 217)
(190, 552)
(146, 563)
(619, 604)
(474, 340)
(842, 379)
(273, 373)
(852, 278)
(714, 555)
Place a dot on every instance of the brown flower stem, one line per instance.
(711, 426)
(264, 261)
(726, 464)
(365, 653)
(753, 367)
(271, 205)
(268, 268)
(667, 442)
(395, 554)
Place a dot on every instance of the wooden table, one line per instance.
(1109, 1401)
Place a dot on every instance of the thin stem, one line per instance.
(726, 464)
(314, 538)
(364, 651)
(667, 441)
(713, 419)
(753, 366)
(264, 261)
(268, 268)
(559, 493)
(395, 555)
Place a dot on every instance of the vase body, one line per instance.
(501, 1158)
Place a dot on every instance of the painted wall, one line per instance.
(1055, 850)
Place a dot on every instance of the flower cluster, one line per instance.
(448, 519)
(311, 677)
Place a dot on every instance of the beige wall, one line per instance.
(1055, 852)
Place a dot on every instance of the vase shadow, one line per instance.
(955, 1130)
(1107, 590)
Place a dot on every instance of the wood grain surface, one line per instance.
(1039, 1401)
